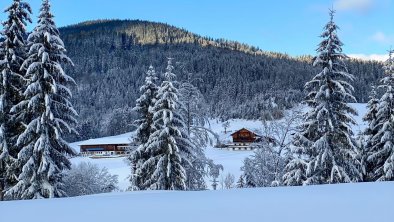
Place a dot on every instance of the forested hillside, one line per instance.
(237, 81)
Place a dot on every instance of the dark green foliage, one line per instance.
(111, 58)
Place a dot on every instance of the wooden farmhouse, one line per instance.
(244, 136)
(108, 146)
(245, 139)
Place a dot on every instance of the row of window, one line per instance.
(104, 153)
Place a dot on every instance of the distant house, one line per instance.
(244, 139)
(244, 136)
(112, 146)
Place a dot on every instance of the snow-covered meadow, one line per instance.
(345, 202)
(231, 160)
(368, 202)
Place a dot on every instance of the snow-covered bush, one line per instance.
(87, 178)
(264, 168)
(229, 181)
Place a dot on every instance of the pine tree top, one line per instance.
(169, 75)
(45, 19)
(18, 16)
(330, 49)
(389, 64)
(14, 31)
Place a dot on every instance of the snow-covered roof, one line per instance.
(119, 139)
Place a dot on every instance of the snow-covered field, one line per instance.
(231, 160)
(367, 202)
(371, 202)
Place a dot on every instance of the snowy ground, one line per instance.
(331, 203)
(366, 202)
(231, 160)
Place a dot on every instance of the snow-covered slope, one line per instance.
(331, 203)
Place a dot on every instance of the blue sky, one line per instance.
(288, 26)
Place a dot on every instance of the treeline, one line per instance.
(237, 81)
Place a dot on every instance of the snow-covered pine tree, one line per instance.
(381, 152)
(48, 114)
(365, 140)
(169, 147)
(13, 53)
(372, 111)
(326, 138)
(295, 172)
(241, 182)
(144, 107)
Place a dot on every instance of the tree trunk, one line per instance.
(2, 182)
(1, 190)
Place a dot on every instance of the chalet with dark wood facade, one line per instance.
(244, 136)
(244, 139)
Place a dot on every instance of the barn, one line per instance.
(113, 146)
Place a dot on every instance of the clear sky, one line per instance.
(288, 26)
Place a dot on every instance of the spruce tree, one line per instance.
(365, 141)
(241, 182)
(372, 111)
(48, 113)
(144, 107)
(169, 148)
(13, 53)
(295, 171)
(381, 152)
(326, 138)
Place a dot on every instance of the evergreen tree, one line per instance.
(381, 153)
(48, 113)
(169, 148)
(325, 140)
(372, 111)
(144, 106)
(235, 85)
(248, 170)
(365, 141)
(363, 156)
(295, 172)
(241, 182)
(13, 53)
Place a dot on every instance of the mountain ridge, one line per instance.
(203, 40)
(111, 58)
